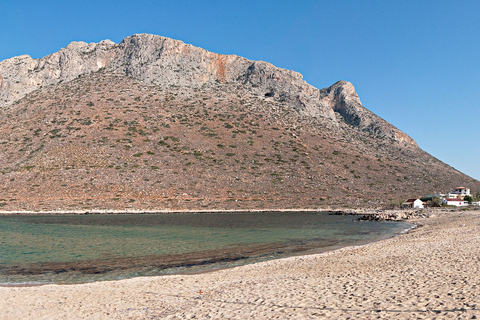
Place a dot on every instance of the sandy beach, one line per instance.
(430, 273)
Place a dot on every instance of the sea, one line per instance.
(66, 249)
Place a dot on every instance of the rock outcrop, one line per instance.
(343, 99)
(166, 62)
(23, 74)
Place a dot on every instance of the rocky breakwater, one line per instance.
(387, 215)
(395, 215)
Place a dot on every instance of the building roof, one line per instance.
(458, 188)
(411, 200)
(454, 199)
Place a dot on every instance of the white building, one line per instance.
(454, 202)
(413, 203)
(459, 192)
(418, 204)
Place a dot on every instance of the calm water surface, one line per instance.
(82, 248)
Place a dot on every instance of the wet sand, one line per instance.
(430, 273)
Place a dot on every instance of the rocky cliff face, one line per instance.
(166, 62)
(22, 75)
(343, 99)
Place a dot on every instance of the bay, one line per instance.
(37, 249)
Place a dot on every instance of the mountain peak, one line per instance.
(344, 100)
(166, 62)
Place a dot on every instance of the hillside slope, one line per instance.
(153, 123)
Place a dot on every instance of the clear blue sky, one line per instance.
(414, 63)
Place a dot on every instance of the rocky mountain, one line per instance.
(154, 123)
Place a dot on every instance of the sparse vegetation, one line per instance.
(107, 140)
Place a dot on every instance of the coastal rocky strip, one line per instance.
(404, 214)
(388, 215)
(365, 214)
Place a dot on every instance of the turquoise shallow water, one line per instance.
(82, 248)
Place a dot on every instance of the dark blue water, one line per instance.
(82, 248)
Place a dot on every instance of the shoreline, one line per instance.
(127, 211)
(366, 214)
(201, 263)
(307, 252)
(431, 272)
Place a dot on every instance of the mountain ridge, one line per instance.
(163, 61)
(153, 123)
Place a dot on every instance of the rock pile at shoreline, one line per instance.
(398, 215)
(395, 215)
